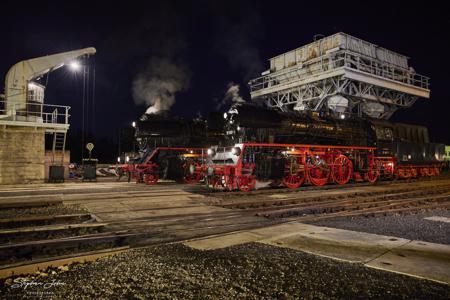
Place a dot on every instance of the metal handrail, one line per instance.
(341, 59)
(35, 112)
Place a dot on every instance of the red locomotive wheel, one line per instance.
(318, 174)
(150, 179)
(246, 183)
(342, 169)
(371, 175)
(294, 181)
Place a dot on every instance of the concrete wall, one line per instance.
(58, 160)
(22, 152)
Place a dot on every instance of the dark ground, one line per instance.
(249, 271)
(413, 226)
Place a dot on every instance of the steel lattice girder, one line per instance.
(314, 94)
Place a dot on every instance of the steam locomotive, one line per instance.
(292, 148)
(256, 143)
(172, 148)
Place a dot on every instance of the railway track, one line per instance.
(333, 205)
(279, 189)
(38, 247)
(30, 234)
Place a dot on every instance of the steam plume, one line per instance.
(158, 84)
(232, 96)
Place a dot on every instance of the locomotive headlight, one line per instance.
(236, 151)
(225, 115)
(118, 159)
(238, 128)
(127, 159)
(211, 152)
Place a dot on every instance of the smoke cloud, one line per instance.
(158, 84)
(232, 96)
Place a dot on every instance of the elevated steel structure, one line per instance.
(342, 74)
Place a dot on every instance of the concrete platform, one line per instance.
(414, 258)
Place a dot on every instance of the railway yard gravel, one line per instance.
(248, 271)
(50, 210)
(409, 226)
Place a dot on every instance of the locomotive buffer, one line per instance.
(341, 74)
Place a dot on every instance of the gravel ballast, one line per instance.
(51, 210)
(250, 271)
(408, 226)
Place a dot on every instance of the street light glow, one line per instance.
(74, 66)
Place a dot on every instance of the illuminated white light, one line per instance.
(191, 151)
(238, 128)
(292, 149)
(236, 151)
(342, 116)
(118, 159)
(74, 66)
(133, 124)
(225, 115)
(127, 159)
(409, 156)
(210, 152)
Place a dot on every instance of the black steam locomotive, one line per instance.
(408, 143)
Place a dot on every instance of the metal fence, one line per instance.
(34, 112)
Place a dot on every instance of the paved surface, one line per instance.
(247, 271)
(415, 258)
(431, 226)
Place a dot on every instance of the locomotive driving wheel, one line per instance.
(246, 183)
(342, 169)
(371, 174)
(295, 175)
(318, 171)
(150, 178)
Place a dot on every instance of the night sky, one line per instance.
(210, 44)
